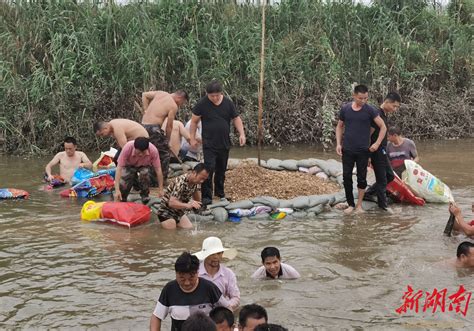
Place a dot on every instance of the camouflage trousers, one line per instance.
(159, 139)
(135, 177)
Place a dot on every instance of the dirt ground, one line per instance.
(249, 180)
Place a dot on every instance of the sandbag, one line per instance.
(289, 165)
(316, 209)
(199, 218)
(13, 193)
(222, 203)
(103, 162)
(315, 200)
(425, 185)
(128, 214)
(322, 175)
(267, 201)
(232, 163)
(285, 203)
(401, 193)
(274, 164)
(91, 210)
(314, 170)
(220, 214)
(306, 163)
(301, 202)
(299, 214)
(243, 204)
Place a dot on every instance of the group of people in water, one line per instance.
(205, 287)
(145, 151)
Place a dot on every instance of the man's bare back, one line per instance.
(177, 132)
(157, 105)
(125, 130)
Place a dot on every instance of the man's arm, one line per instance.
(51, 164)
(339, 131)
(197, 195)
(192, 130)
(234, 293)
(383, 131)
(170, 118)
(466, 228)
(159, 175)
(183, 132)
(240, 128)
(155, 323)
(118, 176)
(85, 162)
(147, 97)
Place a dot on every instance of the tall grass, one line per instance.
(64, 65)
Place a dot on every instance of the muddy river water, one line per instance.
(59, 272)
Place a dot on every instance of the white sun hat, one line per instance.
(111, 152)
(213, 245)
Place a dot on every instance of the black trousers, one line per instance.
(361, 160)
(216, 160)
(383, 175)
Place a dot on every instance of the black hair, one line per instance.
(214, 87)
(361, 88)
(200, 167)
(199, 322)
(183, 94)
(187, 263)
(221, 314)
(98, 126)
(393, 97)
(252, 311)
(463, 248)
(141, 143)
(394, 130)
(270, 327)
(270, 251)
(70, 140)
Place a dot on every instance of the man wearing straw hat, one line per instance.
(211, 269)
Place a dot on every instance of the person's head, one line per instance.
(465, 254)
(270, 327)
(199, 174)
(394, 133)
(223, 317)
(141, 145)
(213, 251)
(70, 145)
(214, 91)
(102, 129)
(271, 260)
(198, 322)
(250, 316)
(391, 102)
(186, 268)
(360, 95)
(181, 97)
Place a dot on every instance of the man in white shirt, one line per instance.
(273, 267)
(211, 269)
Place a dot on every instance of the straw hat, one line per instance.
(213, 245)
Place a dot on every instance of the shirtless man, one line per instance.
(122, 130)
(69, 160)
(158, 106)
(178, 132)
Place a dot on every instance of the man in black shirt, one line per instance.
(355, 120)
(215, 111)
(185, 295)
(379, 159)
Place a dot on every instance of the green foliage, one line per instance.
(65, 64)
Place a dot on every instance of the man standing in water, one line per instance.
(400, 149)
(158, 106)
(379, 159)
(355, 120)
(215, 111)
(68, 161)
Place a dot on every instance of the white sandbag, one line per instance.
(301, 202)
(425, 185)
(274, 164)
(232, 163)
(242, 204)
(289, 165)
(267, 201)
(306, 163)
(314, 170)
(322, 175)
(220, 214)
